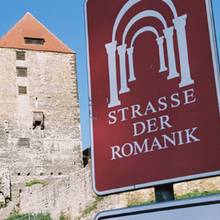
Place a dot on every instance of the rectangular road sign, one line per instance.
(207, 208)
(154, 90)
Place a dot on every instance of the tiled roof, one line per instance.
(29, 27)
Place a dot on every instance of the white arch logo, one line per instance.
(124, 51)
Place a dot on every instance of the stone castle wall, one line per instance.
(28, 151)
(51, 89)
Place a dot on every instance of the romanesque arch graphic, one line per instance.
(124, 52)
(130, 50)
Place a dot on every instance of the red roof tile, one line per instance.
(30, 27)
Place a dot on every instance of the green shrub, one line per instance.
(193, 194)
(34, 182)
(92, 206)
(139, 203)
(197, 194)
(62, 217)
(29, 217)
(2, 205)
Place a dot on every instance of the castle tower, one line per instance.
(39, 109)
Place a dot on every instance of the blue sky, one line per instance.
(66, 20)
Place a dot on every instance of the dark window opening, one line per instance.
(20, 55)
(38, 119)
(22, 90)
(86, 156)
(31, 40)
(59, 174)
(21, 71)
(41, 174)
(28, 174)
(18, 174)
(24, 142)
(51, 174)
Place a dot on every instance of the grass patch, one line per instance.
(134, 203)
(34, 182)
(92, 206)
(63, 217)
(29, 217)
(196, 193)
(2, 205)
(189, 195)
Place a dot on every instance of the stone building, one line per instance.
(39, 109)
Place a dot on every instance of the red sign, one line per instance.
(154, 92)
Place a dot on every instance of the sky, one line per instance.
(66, 20)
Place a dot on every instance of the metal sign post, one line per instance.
(164, 193)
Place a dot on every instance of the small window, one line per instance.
(20, 55)
(21, 71)
(30, 40)
(24, 142)
(38, 119)
(22, 90)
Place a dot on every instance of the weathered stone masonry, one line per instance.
(50, 90)
(39, 108)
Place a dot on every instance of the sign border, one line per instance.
(215, 60)
(193, 202)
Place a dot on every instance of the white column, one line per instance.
(168, 33)
(123, 75)
(130, 52)
(112, 71)
(163, 67)
(180, 26)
